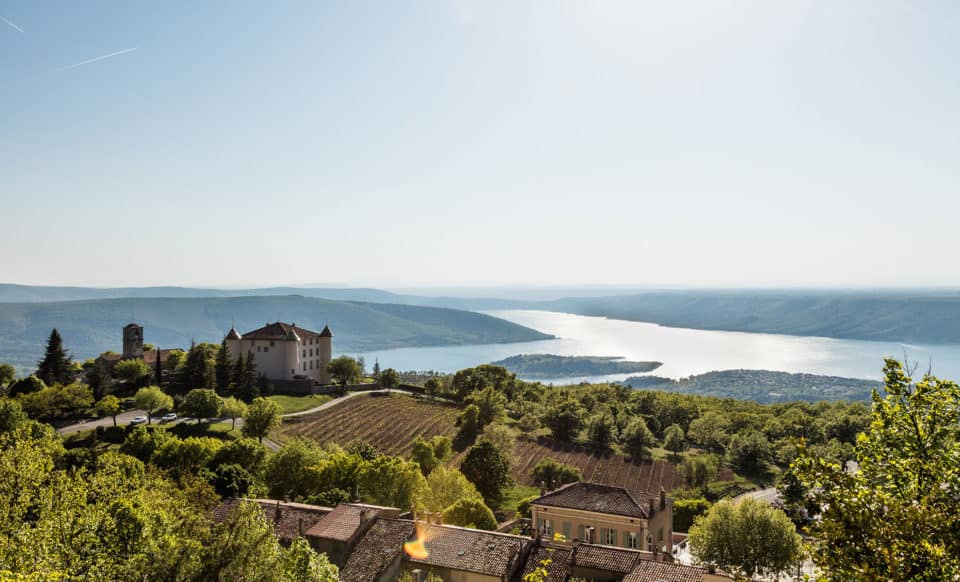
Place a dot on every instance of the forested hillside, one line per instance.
(91, 327)
(918, 317)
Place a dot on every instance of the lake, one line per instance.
(684, 352)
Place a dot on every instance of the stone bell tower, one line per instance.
(132, 341)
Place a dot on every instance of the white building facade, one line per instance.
(283, 351)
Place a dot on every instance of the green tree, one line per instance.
(151, 399)
(7, 374)
(469, 423)
(748, 538)
(244, 452)
(188, 455)
(486, 375)
(564, 419)
(750, 452)
(552, 474)
(143, 442)
(109, 405)
(471, 512)
(202, 403)
(234, 409)
(12, 415)
(345, 370)
(132, 370)
(389, 378)
(198, 369)
(711, 431)
(27, 385)
(244, 548)
(602, 431)
(422, 454)
(638, 439)
(263, 415)
(528, 423)
(444, 487)
(673, 439)
(286, 471)
(699, 470)
(898, 517)
(223, 369)
(56, 366)
(488, 469)
(74, 399)
(393, 482)
(490, 402)
(433, 387)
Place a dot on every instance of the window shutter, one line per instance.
(581, 533)
(613, 537)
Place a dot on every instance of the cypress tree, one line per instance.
(222, 368)
(239, 369)
(55, 366)
(157, 371)
(247, 389)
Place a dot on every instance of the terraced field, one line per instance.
(388, 422)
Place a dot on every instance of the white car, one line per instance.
(139, 420)
(168, 417)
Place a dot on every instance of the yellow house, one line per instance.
(606, 515)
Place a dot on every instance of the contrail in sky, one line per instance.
(11, 24)
(95, 59)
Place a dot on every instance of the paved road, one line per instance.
(768, 495)
(123, 419)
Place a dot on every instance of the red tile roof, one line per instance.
(471, 550)
(288, 519)
(343, 523)
(557, 568)
(650, 571)
(279, 331)
(599, 499)
(149, 356)
(382, 543)
(604, 558)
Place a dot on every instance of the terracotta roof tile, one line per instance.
(293, 517)
(461, 548)
(279, 331)
(556, 569)
(600, 499)
(343, 523)
(650, 571)
(604, 558)
(382, 543)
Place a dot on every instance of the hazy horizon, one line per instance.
(481, 144)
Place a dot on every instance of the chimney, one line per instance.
(663, 498)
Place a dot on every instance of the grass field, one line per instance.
(290, 404)
(388, 422)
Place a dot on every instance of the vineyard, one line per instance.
(388, 422)
(391, 422)
(609, 469)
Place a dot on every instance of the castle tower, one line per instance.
(326, 354)
(132, 341)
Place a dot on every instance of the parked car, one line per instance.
(138, 420)
(168, 417)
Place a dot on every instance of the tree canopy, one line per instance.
(898, 516)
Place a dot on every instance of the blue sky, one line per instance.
(480, 143)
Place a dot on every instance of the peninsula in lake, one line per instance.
(545, 366)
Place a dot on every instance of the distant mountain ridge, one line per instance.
(913, 316)
(90, 327)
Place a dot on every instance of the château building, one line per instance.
(285, 352)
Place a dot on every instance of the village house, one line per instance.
(605, 515)
(374, 544)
